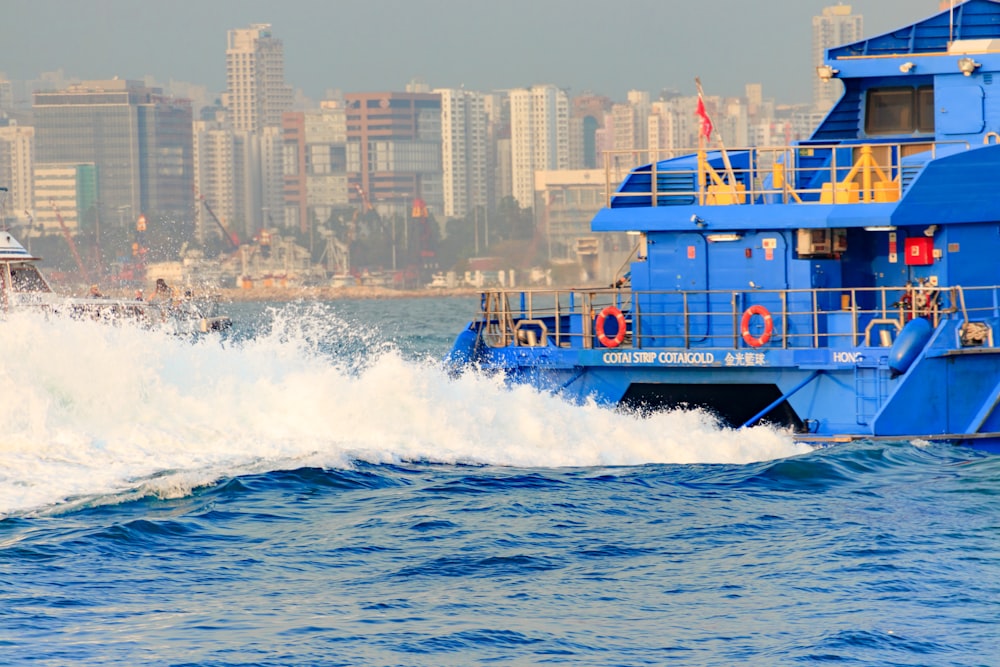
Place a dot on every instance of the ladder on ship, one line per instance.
(870, 390)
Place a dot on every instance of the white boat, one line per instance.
(24, 287)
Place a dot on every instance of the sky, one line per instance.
(601, 46)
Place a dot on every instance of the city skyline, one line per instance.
(383, 45)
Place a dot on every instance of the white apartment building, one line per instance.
(219, 162)
(539, 134)
(17, 158)
(834, 27)
(256, 94)
(639, 101)
(661, 131)
(463, 151)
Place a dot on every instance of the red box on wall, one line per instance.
(919, 251)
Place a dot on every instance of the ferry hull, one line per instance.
(922, 386)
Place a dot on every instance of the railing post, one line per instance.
(687, 321)
(833, 175)
(636, 324)
(784, 319)
(815, 314)
(653, 185)
(736, 320)
(854, 318)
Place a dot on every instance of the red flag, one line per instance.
(704, 121)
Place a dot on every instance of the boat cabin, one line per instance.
(866, 206)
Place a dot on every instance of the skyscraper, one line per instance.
(835, 26)
(138, 140)
(463, 150)
(539, 134)
(256, 94)
(219, 168)
(256, 97)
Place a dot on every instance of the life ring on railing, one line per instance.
(610, 311)
(756, 341)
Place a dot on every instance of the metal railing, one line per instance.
(820, 173)
(783, 319)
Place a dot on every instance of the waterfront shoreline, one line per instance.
(338, 293)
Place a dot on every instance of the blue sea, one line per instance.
(313, 488)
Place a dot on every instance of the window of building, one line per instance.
(899, 110)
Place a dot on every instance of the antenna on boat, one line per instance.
(951, 21)
(3, 207)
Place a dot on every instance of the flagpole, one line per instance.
(722, 146)
(702, 158)
(951, 22)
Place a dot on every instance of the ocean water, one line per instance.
(314, 489)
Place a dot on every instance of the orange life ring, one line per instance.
(756, 341)
(610, 311)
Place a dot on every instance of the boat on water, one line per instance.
(844, 287)
(24, 287)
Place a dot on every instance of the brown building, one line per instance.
(394, 149)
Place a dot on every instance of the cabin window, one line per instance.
(925, 109)
(899, 110)
(27, 279)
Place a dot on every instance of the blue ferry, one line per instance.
(844, 287)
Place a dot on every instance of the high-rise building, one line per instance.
(219, 165)
(498, 170)
(539, 135)
(835, 26)
(394, 149)
(662, 134)
(590, 110)
(463, 151)
(256, 94)
(272, 196)
(314, 164)
(17, 161)
(138, 140)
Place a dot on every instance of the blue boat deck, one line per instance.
(691, 320)
(849, 172)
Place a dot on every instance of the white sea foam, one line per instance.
(93, 411)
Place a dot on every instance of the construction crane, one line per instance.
(364, 197)
(69, 240)
(232, 238)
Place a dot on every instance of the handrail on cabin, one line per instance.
(802, 318)
(774, 174)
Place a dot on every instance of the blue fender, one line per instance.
(908, 345)
(465, 351)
